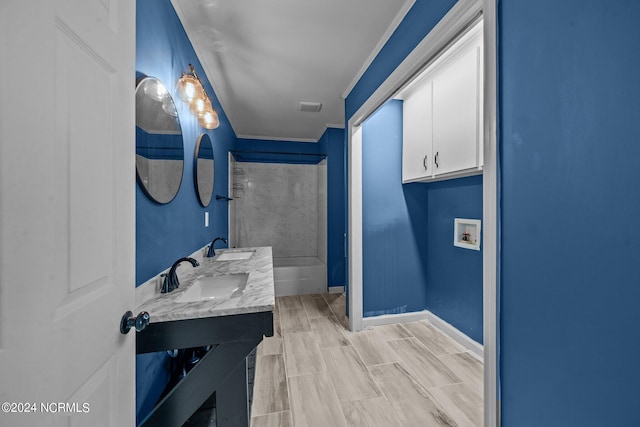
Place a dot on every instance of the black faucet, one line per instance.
(211, 252)
(171, 281)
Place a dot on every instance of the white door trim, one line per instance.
(461, 16)
(355, 227)
(491, 219)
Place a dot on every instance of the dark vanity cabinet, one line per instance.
(222, 370)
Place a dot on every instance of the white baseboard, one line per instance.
(390, 319)
(336, 289)
(476, 349)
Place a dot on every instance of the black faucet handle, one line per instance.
(165, 284)
(171, 281)
(211, 252)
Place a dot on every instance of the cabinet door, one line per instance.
(417, 134)
(455, 113)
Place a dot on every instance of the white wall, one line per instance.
(322, 211)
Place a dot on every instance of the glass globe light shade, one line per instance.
(197, 106)
(156, 90)
(210, 120)
(189, 88)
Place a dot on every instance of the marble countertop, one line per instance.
(258, 295)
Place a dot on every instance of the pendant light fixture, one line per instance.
(191, 90)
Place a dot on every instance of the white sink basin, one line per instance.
(215, 288)
(234, 256)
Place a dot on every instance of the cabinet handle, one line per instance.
(424, 162)
(435, 159)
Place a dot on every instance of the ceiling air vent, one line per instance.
(312, 107)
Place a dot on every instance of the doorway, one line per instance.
(461, 17)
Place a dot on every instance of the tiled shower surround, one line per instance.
(282, 206)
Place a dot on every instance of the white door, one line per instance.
(67, 212)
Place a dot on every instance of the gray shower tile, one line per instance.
(278, 207)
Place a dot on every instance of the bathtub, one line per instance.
(299, 276)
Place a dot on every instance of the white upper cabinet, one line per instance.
(455, 114)
(442, 115)
(417, 159)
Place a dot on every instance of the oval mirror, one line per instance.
(203, 169)
(159, 146)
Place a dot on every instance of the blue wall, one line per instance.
(421, 18)
(417, 23)
(409, 261)
(454, 275)
(165, 233)
(332, 143)
(419, 216)
(256, 150)
(569, 152)
(394, 229)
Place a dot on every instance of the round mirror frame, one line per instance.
(203, 145)
(156, 114)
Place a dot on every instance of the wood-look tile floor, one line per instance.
(315, 372)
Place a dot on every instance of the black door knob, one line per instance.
(139, 322)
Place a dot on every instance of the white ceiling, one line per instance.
(263, 57)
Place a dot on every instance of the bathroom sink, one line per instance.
(222, 287)
(234, 256)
